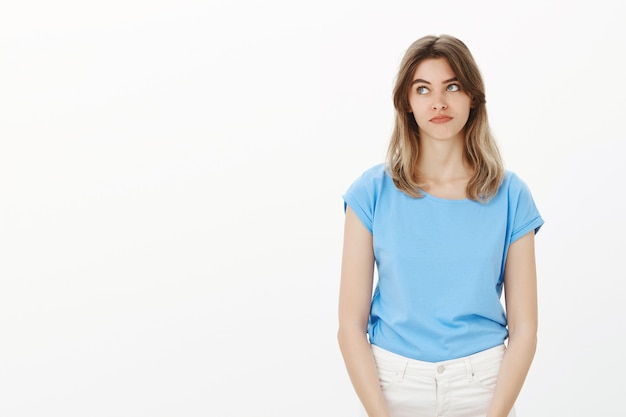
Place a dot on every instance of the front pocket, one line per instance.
(387, 376)
(389, 370)
(486, 376)
(390, 367)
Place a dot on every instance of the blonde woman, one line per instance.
(447, 229)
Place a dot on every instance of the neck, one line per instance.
(442, 161)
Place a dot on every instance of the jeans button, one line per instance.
(440, 369)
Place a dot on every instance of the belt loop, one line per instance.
(402, 370)
(468, 368)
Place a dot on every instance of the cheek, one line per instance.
(415, 108)
(465, 105)
(469, 102)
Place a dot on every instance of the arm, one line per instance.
(520, 286)
(355, 294)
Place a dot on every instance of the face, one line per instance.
(437, 102)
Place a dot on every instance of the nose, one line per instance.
(439, 102)
(439, 105)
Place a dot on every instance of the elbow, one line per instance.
(524, 335)
(342, 336)
(342, 339)
(346, 335)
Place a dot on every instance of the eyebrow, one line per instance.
(419, 80)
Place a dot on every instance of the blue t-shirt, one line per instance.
(440, 265)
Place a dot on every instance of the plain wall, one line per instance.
(171, 176)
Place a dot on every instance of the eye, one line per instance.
(421, 90)
(453, 87)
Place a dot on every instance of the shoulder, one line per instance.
(523, 213)
(364, 193)
(368, 185)
(376, 172)
(372, 176)
(513, 183)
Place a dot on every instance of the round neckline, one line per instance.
(443, 200)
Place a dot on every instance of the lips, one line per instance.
(440, 119)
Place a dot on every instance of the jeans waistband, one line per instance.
(450, 367)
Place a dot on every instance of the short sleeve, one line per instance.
(524, 215)
(361, 196)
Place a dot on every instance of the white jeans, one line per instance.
(456, 388)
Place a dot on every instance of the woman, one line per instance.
(446, 228)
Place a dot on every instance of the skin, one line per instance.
(441, 165)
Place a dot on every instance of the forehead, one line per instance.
(433, 70)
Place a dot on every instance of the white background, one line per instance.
(171, 176)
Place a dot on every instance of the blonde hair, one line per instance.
(481, 150)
